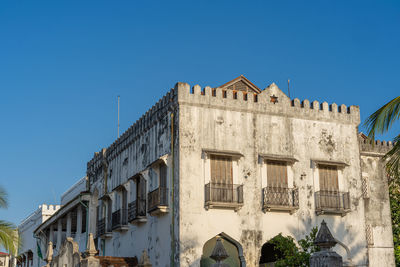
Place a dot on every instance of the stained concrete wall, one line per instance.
(377, 205)
(305, 131)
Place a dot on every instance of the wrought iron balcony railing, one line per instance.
(332, 202)
(280, 198)
(223, 195)
(120, 219)
(158, 199)
(137, 210)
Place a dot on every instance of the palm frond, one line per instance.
(9, 237)
(3, 198)
(393, 160)
(382, 119)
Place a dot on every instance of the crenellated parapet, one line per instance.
(271, 100)
(142, 125)
(95, 165)
(377, 146)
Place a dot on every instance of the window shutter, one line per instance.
(277, 174)
(221, 169)
(328, 178)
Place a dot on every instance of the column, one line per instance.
(51, 237)
(78, 223)
(59, 232)
(69, 223)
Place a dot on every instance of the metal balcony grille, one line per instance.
(157, 197)
(137, 208)
(101, 227)
(281, 197)
(224, 193)
(119, 218)
(332, 201)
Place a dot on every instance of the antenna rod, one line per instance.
(288, 86)
(118, 116)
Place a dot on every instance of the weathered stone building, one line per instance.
(241, 165)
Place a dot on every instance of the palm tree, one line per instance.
(380, 122)
(8, 232)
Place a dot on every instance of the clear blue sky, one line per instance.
(63, 63)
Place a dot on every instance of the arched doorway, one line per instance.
(232, 247)
(271, 250)
(269, 254)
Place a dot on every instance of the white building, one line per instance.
(27, 254)
(235, 162)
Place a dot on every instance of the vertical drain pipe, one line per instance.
(172, 191)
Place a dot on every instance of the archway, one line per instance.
(269, 254)
(232, 247)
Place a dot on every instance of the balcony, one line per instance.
(332, 202)
(225, 196)
(120, 220)
(158, 201)
(280, 199)
(103, 229)
(137, 211)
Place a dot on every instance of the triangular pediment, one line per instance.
(241, 83)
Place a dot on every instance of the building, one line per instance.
(236, 163)
(69, 220)
(4, 259)
(27, 253)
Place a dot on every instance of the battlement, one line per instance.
(41, 210)
(377, 146)
(270, 100)
(49, 208)
(143, 124)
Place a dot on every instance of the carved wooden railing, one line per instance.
(223, 193)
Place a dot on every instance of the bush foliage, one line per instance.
(294, 256)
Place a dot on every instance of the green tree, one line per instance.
(292, 256)
(8, 232)
(380, 122)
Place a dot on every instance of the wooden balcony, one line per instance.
(332, 202)
(120, 220)
(104, 228)
(224, 196)
(158, 201)
(280, 199)
(137, 211)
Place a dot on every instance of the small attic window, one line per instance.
(245, 96)
(224, 93)
(214, 92)
(255, 98)
(234, 94)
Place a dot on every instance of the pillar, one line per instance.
(51, 237)
(69, 224)
(59, 232)
(78, 224)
